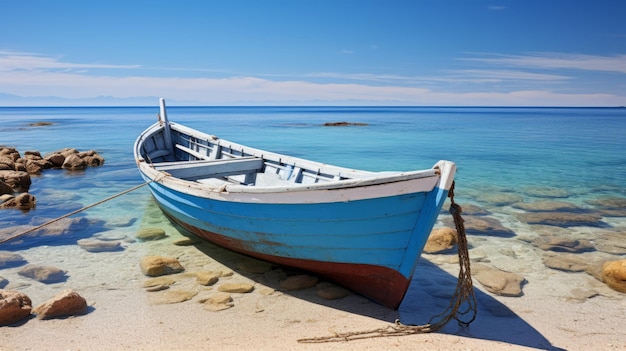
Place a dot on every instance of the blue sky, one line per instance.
(314, 52)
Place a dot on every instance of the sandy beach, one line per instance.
(123, 315)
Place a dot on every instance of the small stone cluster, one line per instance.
(16, 306)
(169, 282)
(15, 171)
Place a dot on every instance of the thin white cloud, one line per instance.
(502, 75)
(27, 61)
(615, 63)
(40, 75)
(496, 8)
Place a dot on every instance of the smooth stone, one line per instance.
(148, 234)
(95, 245)
(547, 206)
(474, 210)
(255, 266)
(10, 260)
(43, 274)
(614, 275)
(441, 240)
(218, 302)
(546, 192)
(154, 266)
(14, 307)
(207, 278)
(241, 288)
(498, 282)
(186, 242)
(299, 282)
(561, 219)
(609, 203)
(483, 225)
(64, 304)
(111, 235)
(583, 294)
(332, 292)
(612, 242)
(174, 296)
(500, 199)
(164, 280)
(566, 262)
(563, 244)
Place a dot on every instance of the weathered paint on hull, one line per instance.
(380, 284)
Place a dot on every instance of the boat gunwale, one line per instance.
(443, 169)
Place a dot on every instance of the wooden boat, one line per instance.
(363, 230)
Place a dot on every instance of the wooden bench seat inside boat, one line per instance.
(194, 170)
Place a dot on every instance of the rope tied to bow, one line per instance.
(462, 305)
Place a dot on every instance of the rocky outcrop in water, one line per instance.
(16, 171)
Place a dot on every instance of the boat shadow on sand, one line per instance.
(429, 295)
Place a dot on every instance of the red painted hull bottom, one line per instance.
(382, 285)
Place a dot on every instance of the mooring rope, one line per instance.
(463, 296)
(74, 212)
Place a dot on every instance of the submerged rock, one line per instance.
(547, 192)
(567, 262)
(483, 225)
(441, 240)
(613, 242)
(609, 203)
(64, 304)
(14, 307)
(95, 245)
(614, 275)
(10, 260)
(560, 244)
(561, 219)
(500, 199)
(497, 281)
(148, 234)
(43, 274)
(474, 210)
(548, 206)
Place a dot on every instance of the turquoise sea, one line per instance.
(568, 160)
(577, 150)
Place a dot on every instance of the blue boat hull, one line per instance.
(370, 246)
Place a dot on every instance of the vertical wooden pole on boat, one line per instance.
(166, 126)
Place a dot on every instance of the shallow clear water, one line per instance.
(577, 150)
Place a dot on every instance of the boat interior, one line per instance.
(204, 158)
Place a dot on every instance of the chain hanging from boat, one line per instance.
(462, 305)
